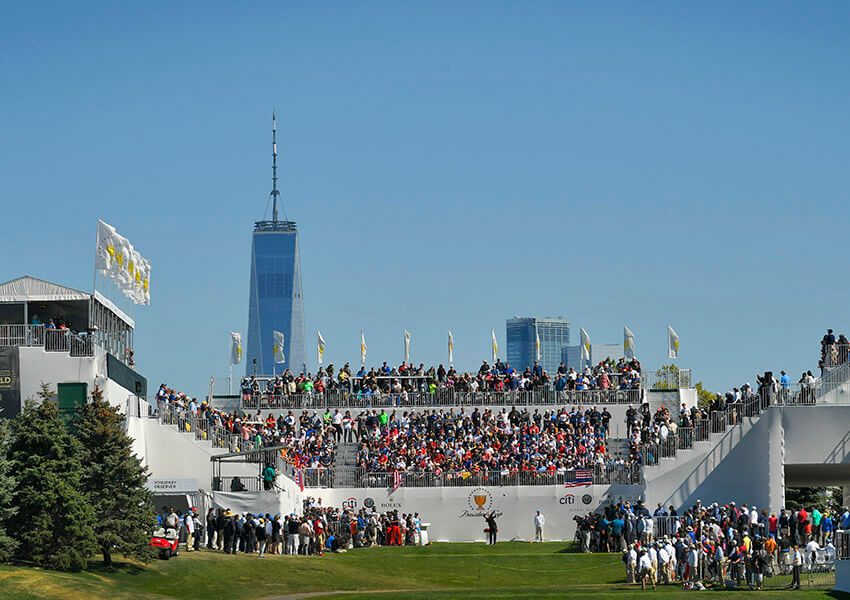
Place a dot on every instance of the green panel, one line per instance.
(71, 395)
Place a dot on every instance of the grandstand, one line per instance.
(461, 453)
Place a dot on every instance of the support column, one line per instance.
(775, 459)
(845, 493)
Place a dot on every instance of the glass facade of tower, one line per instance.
(521, 334)
(275, 300)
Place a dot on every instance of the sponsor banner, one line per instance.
(457, 514)
(173, 486)
(10, 382)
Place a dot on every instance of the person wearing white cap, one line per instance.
(539, 522)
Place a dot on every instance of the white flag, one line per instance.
(362, 348)
(235, 348)
(451, 348)
(585, 345)
(672, 343)
(320, 346)
(628, 343)
(115, 258)
(495, 345)
(279, 357)
(539, 354)
(406, 346)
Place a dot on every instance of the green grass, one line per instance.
(509, 570)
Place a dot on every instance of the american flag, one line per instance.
(398, 479)
(299, 479)
(581, 478)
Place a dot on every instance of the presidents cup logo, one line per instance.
(587, 498)
(369, 503)
(480, 500)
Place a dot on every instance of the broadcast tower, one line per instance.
(275, 302)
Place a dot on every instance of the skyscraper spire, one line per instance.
(275, 192)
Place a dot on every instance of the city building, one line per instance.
(598, 353)
(522, 334)
(275, 302)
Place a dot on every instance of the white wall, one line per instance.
(52, 368)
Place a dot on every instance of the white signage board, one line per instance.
(173, 486)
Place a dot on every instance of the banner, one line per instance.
(406, 346)
(320, 346)
(235, 348)
(585, 345)
(451, 348)
(628, 343)
(115, 258)
(279, 356)
(10, 382)
(495, 345)
(672, 343)
(362, 348)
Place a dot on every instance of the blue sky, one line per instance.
(449, 165)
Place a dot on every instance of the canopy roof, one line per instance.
(31, 289)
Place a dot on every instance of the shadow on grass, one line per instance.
(117, 566)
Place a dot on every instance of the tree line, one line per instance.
(71, 488)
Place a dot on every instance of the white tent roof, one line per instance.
(30, 289)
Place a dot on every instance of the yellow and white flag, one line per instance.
(628, 343)
(116, 258)
(495, 345)
(406, 346)
(362, 348)
(320, 347)
(235, 348)
(672, 343)
(451, 348)
(279, 357)
(539, 353)
(585, 345)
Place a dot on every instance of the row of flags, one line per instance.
(279, 357)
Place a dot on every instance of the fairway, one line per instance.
(439, 571)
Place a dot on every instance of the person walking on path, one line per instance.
(539, 522)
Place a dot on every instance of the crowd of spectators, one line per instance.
(407, 378)
(833, 351)
(316, 530)
(712, 542)
(506, 441)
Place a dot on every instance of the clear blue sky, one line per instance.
(450, 164)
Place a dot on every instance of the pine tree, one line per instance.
(7, 489)
(53, 525)
(114, 481)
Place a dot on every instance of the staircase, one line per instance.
(345, 465)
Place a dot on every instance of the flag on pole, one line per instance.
(299, 479)
(451, 347)
(539, 354)
(235, 348)
(362, 348)
(495, 345)
(398, 479)
(406, 346)
(672, 343)
(585, 345)
(320, 346)
(279, 357)
(628, 343)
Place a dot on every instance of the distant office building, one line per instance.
(275, 302)
(598, 353)
(522, 333)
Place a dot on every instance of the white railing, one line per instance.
(600, 474)
(52, 340)
(835, 355)
(442, 397)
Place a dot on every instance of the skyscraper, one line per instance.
(275, 302)
(522, 334)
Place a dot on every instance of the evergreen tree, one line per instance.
(114, 481)
(7, 489)
(53, 524)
